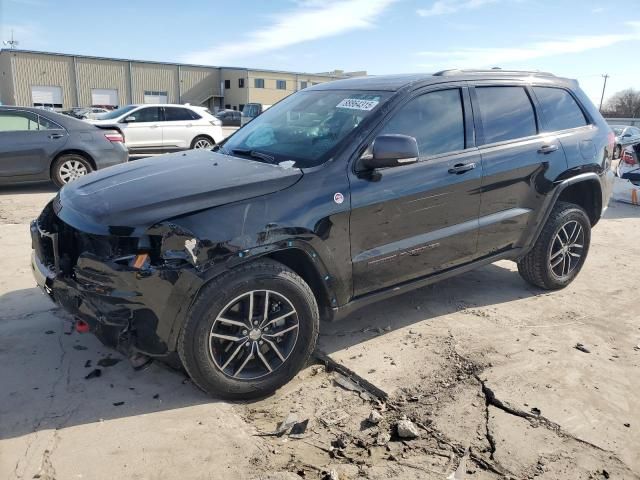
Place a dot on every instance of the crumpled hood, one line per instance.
(136, 195)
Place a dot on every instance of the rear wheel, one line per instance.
(560, 251)
(249, 331)
(201, 142)
(69, 167)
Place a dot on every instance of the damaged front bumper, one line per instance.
(132, 310)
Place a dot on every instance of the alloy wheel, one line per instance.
(72, 170)
(202, 143)
(566, 249)
(254, 334)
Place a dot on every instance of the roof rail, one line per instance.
(491, 71)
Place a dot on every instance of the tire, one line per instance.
(549, 265)
(69, 167)
(202, 142)
(222, 369)
(617, 152)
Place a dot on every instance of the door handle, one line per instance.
(53, 136)
(189, 125)
(153, 126)
(548, 148)
(459, 168)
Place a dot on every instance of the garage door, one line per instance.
(155, 97)
(104, 97)
(46, 96)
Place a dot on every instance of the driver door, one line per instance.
(143, 129)
(413, 220)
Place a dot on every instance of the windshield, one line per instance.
(306, 126)
(117, 112)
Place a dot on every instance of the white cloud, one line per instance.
(444, 7)
(496, 56)
(311, 20)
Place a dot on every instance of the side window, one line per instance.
(435, 119)
(46, 124)
(13, 121)
(559, 108)
(175, 114)
(149, 114)
(506, 113)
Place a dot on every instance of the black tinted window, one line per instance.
(149, 114)
(506, 113)
(435, 119)
(559, 108)
(174, 114)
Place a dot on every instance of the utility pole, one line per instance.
(605, 76)
(11, 43)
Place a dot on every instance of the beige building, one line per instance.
(64, 81)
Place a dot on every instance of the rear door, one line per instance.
(413, 220)
(518, 159)
(28, 143)
(142, 129)
(177, 128)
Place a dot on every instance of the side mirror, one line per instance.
(130, 118)
(392, 151)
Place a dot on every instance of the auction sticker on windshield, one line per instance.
(357, 104)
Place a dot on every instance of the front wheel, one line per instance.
(249, 331)
(69, 167)
(202, 142)
(560, 251)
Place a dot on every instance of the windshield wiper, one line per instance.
(255, 154)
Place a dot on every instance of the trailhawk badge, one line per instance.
(338, 198)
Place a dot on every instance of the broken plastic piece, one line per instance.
(82, 326)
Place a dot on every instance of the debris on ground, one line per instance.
(582, 348)
(49, 332)
(108, 361)
(87, 364)
(79, 347)
(347, 383)
(117, 404)
(95, 373)
(331, 475)
(156, 396)
(374, 417)
(407, 429)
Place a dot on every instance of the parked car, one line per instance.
(394, 183)
(229, 118)
(37, 145)
(251, 111)
(625, 136)
(163, 128)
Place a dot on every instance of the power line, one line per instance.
(605, 76)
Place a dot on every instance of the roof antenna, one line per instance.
(11, 43)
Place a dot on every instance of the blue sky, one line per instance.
(581, 39)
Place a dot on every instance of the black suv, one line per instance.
(340, 195)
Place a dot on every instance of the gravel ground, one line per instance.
(484, 367)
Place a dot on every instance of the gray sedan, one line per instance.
(37, 145)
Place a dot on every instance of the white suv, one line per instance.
(163, 128)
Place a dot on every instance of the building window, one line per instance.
(151, 96)
(281, 84)
(241, 107)
(227, 84)
(227, 106)
(303, 85)
(234, 107)
(258, 82)
(241, 83)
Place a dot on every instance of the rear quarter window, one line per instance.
(506, 113)
(559, 108)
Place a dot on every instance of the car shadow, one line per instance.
(44, 366)
(490, 285)
(28, 188)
